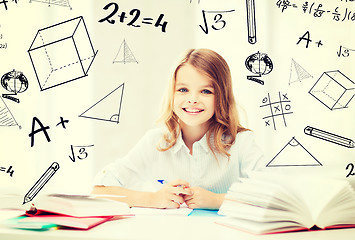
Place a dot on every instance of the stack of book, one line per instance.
(63, 210)
(274, 203)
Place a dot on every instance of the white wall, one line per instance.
(145, 82)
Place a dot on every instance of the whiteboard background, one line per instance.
(145, 82)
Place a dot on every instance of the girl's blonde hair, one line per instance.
(225, 124)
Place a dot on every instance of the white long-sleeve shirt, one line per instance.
(144, 168)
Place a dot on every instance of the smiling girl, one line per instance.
(199, 153)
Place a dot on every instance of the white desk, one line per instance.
(167, 227)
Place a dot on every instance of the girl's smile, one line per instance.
(193, 110)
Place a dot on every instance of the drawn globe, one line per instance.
(14, 82)
(259, 63)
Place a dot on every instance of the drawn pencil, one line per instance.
(41, 182)
(251, 21)
(330, 137)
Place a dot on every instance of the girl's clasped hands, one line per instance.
(177, 192)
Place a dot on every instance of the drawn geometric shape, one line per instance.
(61, 53)
(251, 23)
(108, 108)
(329, 137)
(276, 110)
(63, 3)
(259, 63)
(293, 154)
(333, 89)
(297, 73)
(124, 54)
(14, 82)
(6, 117)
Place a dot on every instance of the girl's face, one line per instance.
(193, 97)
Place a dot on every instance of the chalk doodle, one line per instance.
(251, 23)
(5, 3)
(135, 14)
(334, 90)
(297, 73)
(259, 64)
(329, 137)
(44, 129)
(124, 54)
(9, 170)
(218, 24)
(344, 51)
(293, 154)
(79, 152)
(14, 82)
(278, 109)
(62, 53)
(317, 10)
(6, 117)
(41, 182)
(351, 169)
(108, 108)
(3, 45)
(62, 3)
(307, 37)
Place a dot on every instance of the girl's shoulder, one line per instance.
(244, 137)
(154, 134)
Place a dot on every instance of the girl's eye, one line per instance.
(182, 90)
(206, 91)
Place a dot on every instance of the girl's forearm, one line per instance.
(131, 197)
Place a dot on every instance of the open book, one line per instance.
(271, 203)
(66, 204)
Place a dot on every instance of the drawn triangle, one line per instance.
(6, 117)
(108, 108)
(293, 154)
(297, 73)
(124, 54)
(63, 3)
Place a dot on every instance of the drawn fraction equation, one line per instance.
(3, 45)
(276, 110)
(5, 2)
(43, 129)
(79, 152)
(218, 20)
(9, 170)
(318, 10)
(133, 18)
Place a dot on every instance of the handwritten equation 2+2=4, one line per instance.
(135, 13)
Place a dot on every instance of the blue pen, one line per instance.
(161, 181)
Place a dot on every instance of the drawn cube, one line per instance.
(61, 53)
(333, 89)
